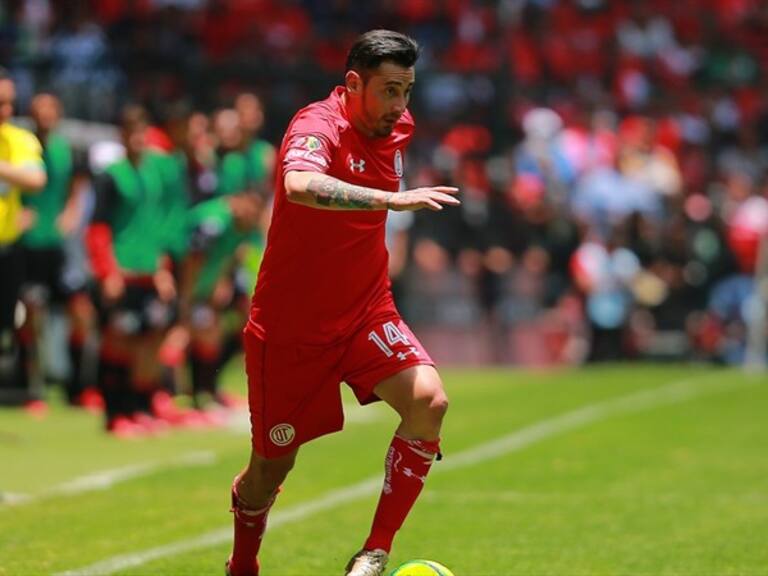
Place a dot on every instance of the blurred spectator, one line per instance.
(641, 159)
(605, 272)
(638, 126)
(21, 172)
(50, 285)
(83, 74)
(645, 33)
(606, 197)
(127, 249)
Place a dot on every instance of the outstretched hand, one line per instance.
(431, 198)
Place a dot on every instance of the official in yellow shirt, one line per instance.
(21, 171)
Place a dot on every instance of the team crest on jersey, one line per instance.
(282, 434)
(399, 163)
(312, 143)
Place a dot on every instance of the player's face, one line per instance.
(45, 112)
(7, 97)
(199, 138)
(135, 139)
(384, 97)
(229, 134)
(251, 113)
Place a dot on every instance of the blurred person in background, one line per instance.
(207, 264)
(605, 197)
(224, 222)
(127, 249)
(603, 271)
(692, 87)
(735, 301)
(260, 153)
(83, 73)
(190, 167)
(56, 214)
(398, 242)
(166, 141)
(261, 159)
(642, 158)
(21, 172)
(542, 154)
(261, 162)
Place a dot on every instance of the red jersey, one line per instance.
(325, 271)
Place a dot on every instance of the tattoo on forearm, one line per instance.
(332, 192)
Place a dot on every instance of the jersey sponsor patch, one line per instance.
(306, 149)
(399, 163)
(297, 154)
(312, 143)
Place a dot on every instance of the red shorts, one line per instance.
(294, 391)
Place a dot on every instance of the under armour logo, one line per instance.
(403, 355)
(358, 166)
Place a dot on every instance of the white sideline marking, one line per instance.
(670, 394)
(107, 478)
(14, 498)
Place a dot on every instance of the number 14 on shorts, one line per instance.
(394, 339)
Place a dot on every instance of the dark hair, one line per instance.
(4, 74)
(377, 46)
(133, 117)
(177, 111)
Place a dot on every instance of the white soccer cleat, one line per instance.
(367, 563)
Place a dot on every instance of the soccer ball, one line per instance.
(421, 568)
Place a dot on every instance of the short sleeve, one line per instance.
(27, 151)
(310, 143)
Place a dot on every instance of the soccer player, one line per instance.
(261, 161)
(219, 227)
(128, 251)
(322, 311)
(260, 153)
(21, 171)
(57, 214)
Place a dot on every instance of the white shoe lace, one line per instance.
(367, 563)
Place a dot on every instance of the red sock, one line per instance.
(249, 529)
(406, 468)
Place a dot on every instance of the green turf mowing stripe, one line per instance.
(674, 393)
(105, 479)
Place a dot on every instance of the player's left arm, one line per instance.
(325, 192)
(71, 217)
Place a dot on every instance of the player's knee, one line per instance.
(438, 406)
(431, 405)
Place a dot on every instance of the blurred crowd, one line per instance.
(134, 263)
(612, 157)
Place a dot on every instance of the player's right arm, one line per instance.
(325, 192)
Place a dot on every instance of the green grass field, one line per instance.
(632, 470)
